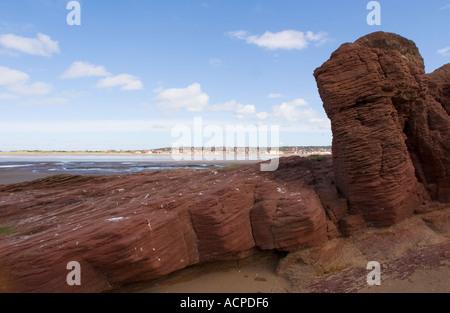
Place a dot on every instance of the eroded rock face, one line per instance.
(141, 227)
(439, 86)
(391, 127)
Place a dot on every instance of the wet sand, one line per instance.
(259, 276)
(256, 274)
(16, 176)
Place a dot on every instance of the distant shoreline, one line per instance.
(67, 153)
(282, 151)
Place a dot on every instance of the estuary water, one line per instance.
(112, 164)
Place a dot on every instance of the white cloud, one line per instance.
(56, 101)
(8, 53)
(227, 106)
(35, 89)
(126, 81)
(444, 52)
(319, 38)
(302, 119)
(289, 110)
(445, 7)
(43, 45)
(239, 34)
(215, 62)
(17, 82)
(287, 39)
(190, 98)
(8, 96)
(79, 69)
(241, 110)
(85, 69)
(262, 115)
(275, 95)
(10, 77)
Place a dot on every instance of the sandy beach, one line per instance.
(257, 274)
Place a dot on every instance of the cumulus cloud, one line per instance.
(293, 112)
(34, 89)
(286, 39)
(42, 45)
(444, 52)
(191, 98)
(241, 110)
(262, 115)
(296, 111)
(9, 77)
(125, 81)
(8, 96)
(275, 95)
(85, 69)
(227, 106)
(289, 110)
(18, 83)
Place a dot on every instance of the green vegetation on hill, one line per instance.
(317, 158)
(6, 231)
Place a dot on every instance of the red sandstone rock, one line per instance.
(352, 225)
(391, 145)
(140, 227)
(332, 230)
(439, 86)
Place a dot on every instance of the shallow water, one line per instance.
(107, 164)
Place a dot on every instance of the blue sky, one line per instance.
(133, 70)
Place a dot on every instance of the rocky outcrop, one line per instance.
(141, 227)
(439, 86)
(391, 127)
